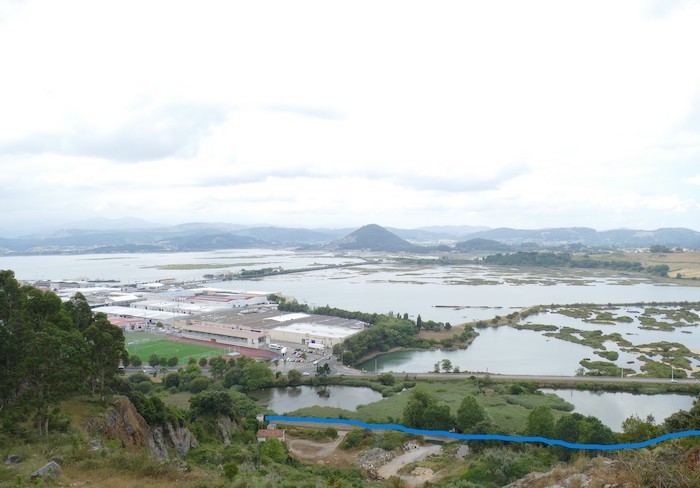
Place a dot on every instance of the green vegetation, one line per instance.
(506, 405)
(535, 327)
(145, 345)
(251, 274)
(50, 351)
(591, 338)
(604, 368)
(386, 333)
(609, 355)
(319, 435)
(567, 260)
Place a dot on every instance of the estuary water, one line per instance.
(453, 293)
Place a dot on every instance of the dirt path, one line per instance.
(321, 452)
(392, 467)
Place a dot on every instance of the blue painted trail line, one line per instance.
(487, 437)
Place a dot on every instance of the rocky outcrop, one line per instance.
(162, 440)
(51, 469)
(124, 423)
(599, 472)
(225, 426)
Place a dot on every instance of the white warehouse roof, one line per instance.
(318, 330)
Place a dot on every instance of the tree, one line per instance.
(294, 377)
(191, 360)
(348, 357)
(135, 361)
(446, 365)
(419, 322)
(211, 403)
(323, 369)
(469, 414)
(202, 361)
(540, 422)
(217, 367)
(49, 353)
(171, 379)
(635, 429)
(255, 376)
(273, 450)
(387, 379)
(172, 361)
(593, 431)
(154, 360)
(105, 344)
(423, 412)
(79, 310)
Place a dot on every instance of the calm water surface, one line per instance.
(285, 400)
(443, 293)
(612, 408)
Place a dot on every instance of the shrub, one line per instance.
(230, 470)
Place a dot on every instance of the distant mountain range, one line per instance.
(200, 236)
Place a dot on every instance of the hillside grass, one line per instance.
(143, 344)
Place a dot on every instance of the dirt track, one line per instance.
(321, 452)
(393, 466)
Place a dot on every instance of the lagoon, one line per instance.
(285, 400)
(612, 408)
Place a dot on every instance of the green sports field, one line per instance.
(143, 344)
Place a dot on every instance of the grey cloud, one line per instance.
(306, 111)
(692, 121)
(454, 184)
(659, 9)
(247, 177)
(438, 182)
(156, 132)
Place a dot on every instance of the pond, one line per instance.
(612, 408)
(285, 400)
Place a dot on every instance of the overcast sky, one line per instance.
(499, 113)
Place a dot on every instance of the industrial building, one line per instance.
(265, 325)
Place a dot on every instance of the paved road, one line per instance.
(562, 379)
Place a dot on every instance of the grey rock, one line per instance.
(50, 469)
(13, 459)
(373, 459)
(161, 439)
(156, 444)
(225, 426)
(95, 445)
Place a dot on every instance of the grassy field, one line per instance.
(685, 263)
(143, 344)
(508, 411)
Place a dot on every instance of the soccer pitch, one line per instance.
(143, 344)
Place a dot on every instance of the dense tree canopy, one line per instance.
(50, 350)
(423, 412)
(469, 415)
